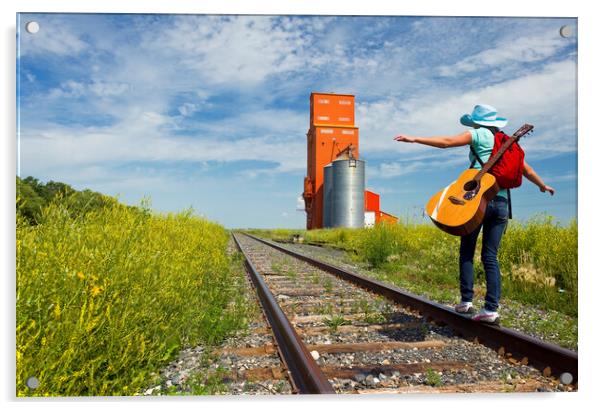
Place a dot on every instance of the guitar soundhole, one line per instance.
(470, 185)
(471, 188)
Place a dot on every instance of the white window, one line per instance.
(327, 131)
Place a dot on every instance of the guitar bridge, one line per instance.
(456, 201)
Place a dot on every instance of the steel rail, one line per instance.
(544, 356)
(306, 375)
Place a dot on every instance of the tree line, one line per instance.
(33, 196)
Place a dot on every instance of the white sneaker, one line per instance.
(487, 316)
(464, 307)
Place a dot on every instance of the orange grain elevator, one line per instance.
(332, 131)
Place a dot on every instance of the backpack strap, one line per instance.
(509, 205)
(476, 156)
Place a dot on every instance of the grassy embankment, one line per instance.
(105, 298)
(538, 261)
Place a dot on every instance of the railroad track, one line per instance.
(339, 332)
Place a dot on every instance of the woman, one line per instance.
(485, 123)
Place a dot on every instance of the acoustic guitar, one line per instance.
(460, 207)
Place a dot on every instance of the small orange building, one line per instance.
(372, 204)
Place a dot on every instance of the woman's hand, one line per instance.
(404, 138)
(547, 188)
(532, 176)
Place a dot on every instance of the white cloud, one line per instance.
(187, 109)
(410, 165)
(395, 169)
(281, 123)
(68, 89)
(234, 49)
(202, 95)
(75, 89)
(526, 49)
(51, 147)
(107, 89)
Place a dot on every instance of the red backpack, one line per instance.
(508, 171)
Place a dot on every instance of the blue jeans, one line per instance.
(494, 225)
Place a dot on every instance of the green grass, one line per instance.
(315, 278)
(328, 286)
(335, 321)
(208, 383)
(106, 298)
(325, 309)
(432, 378)
(374, 318)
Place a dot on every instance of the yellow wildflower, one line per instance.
(96, 290)
(81, 275)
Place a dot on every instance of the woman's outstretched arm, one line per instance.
(532, 176)
(464, 138)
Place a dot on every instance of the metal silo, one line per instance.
(327, 204)
(348, 181)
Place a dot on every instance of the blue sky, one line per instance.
(212, 111)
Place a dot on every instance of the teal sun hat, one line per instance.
(483, 114)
